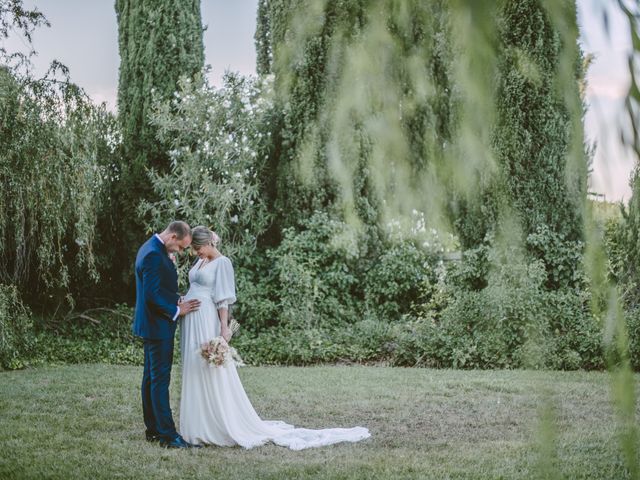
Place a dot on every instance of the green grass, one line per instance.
(85, 421)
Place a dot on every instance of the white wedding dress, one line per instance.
(214, 408)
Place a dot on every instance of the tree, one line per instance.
(626, 233)
(319, 54)
(539, 186)
(14, 17)
(54, 149)
(159, 42)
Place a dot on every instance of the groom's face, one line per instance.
(175, 244)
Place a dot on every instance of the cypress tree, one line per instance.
(306, 54)
(534, 135)
(307, 85)
(537, 181)
(625, 239)
(159, 42)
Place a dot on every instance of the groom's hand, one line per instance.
(188, 306)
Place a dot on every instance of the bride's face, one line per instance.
(202, 251)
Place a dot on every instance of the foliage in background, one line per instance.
(340, 111)
(322, 277)
(96, 335)
(538, 186)
(515, 322)
(16, 329)
(159, 41)
(56, 149)
(619, 235)
(54, 144)
(218, 140)
(624, 246)
(412, 131)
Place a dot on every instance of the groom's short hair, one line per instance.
(181, 229)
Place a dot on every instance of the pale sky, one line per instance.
(84, 37)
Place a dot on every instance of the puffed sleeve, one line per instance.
(224, 289)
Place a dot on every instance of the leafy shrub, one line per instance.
(258, 292)
(577, 333)
(16, 329)
(472, 271)
(614, 243)
(490, 328)
(219, 140)
(325, 272)
(289, 346)
(365, 341)
(563, 258)
(632, 317)
(55, 349)
(368, 339)
(512, 323)
(398, 279)
(314, 276)
(419, 342)
(311, 298)
(101, 335)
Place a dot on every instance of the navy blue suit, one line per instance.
(156, 306)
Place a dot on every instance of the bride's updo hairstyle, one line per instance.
(201, 236)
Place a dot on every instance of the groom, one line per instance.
(158, 307)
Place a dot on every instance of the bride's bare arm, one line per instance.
(223, 314)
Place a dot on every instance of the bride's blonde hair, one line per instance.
(202, 236)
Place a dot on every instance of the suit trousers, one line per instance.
(158, 359)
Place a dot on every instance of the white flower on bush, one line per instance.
(221, 172)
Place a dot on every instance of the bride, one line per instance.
(214, 408)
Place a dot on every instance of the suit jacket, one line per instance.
(156, 292)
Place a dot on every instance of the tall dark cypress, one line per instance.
(159, 42)
(541, 179)
(305, 97)
(534, 135)
(308, 70)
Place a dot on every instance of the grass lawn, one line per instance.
(85, 421)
